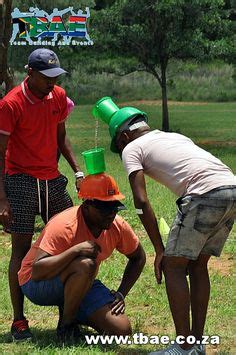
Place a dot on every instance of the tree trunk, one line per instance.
(165, 113)
(6, 77)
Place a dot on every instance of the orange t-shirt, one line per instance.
(68, 228)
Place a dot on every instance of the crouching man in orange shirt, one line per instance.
(61, 266)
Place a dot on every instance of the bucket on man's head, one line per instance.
(105, 109)
(94, 160)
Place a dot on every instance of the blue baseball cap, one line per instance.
(46, 62)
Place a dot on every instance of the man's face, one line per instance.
(102, 218)
(121, 141)
(41, 84)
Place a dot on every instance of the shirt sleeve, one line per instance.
(56, 238)
(128, 241)
(8, 118)
(132, 158)
(70, 105)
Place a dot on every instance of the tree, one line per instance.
(6, 77)
(152, 32)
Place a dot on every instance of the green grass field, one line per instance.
(213, 127)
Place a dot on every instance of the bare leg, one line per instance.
(77, 278)
(178, 294)
(200, 293)
(103, 321)
(20, 245)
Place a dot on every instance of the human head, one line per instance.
(46, 62)
(127, 132)
(43, 70)
(101, 199)
(106, 110)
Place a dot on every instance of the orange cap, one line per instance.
(100, 187)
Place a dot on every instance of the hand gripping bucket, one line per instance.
(94, 160)
(104, 109)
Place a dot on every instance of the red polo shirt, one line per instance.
(31, 124)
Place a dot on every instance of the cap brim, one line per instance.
(108, 205)
(52, 73)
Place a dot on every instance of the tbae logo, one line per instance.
(37, 27)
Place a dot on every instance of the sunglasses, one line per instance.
(105, 211)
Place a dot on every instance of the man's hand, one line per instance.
(158, 266)
(5, 213)
(88, 249)
(118, 305)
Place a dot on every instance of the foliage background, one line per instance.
(99, 70)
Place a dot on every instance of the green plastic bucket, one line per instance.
(94, 160)
(104, 109)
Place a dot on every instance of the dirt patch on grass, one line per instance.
(158, 329)
(217, 143)
(223, 265)
(159, 103)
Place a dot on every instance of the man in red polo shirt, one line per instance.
(32, 128)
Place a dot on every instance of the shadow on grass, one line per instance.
(46, 340)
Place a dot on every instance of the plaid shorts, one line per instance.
(23, 196)
(202, 224)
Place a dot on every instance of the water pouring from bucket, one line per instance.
(107, 111)
(104, 109)
(94, 158)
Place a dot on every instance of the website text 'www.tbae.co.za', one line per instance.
(142, 339)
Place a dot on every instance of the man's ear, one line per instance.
(125, 138)
(122, 141)
(30, 71)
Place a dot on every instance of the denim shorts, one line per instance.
(22, 193)
(51, 293)
(202, 224)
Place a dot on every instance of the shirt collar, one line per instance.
(30, 96)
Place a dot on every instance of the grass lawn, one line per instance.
(213, 127)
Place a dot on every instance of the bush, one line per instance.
(188, 81)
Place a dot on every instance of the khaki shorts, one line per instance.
(202, 224)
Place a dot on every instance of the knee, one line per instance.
(172, 265)
(121, 325)
(199, 266)
(89, 266)
(197, 269)
(84, 265)
(126, 328)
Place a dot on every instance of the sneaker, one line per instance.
(175, 349)
(201, 349)
(68, 334)
(20, 330)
